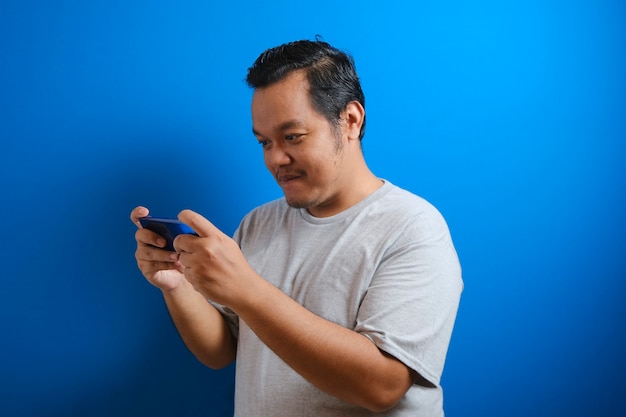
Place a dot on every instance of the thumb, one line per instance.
(198, 223)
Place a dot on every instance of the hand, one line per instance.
(159, 266)
(212, 261)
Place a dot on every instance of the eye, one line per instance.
(292, 138)
(262, 141)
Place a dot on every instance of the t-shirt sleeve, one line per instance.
(411, 304)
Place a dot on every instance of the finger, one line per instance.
(184, 243)
(149, 238)
(152, 259)
(199, 224)
(149, 268)
(137, 213)
(147, 253)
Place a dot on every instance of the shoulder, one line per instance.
(269, 207)
(414, 218)
(263, 219)
(404, 203)
(269, 211)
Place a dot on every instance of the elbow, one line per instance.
(214, 365)
(216, 358)
(385, 395)
(382, 402)
(379, 398)
(216, 362)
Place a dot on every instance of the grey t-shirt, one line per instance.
(385, 268)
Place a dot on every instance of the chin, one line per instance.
(300, 202)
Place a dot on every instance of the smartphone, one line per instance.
(167, 228)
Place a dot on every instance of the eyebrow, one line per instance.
(289, 124)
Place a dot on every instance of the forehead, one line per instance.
(285, 100)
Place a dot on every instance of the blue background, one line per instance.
(508, 116)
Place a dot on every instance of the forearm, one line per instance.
(201, 326)
(337, 360)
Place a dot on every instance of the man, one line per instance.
(338, 299)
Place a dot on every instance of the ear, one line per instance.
(354, 115)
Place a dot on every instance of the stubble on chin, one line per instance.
(299, 204)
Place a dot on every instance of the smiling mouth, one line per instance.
(287, 178)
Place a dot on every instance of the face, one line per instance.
(302, 150)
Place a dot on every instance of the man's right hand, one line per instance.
(160, 267)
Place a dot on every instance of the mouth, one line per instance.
(287, 178)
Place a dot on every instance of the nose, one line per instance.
(276, 156)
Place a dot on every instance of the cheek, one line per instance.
(323, 168)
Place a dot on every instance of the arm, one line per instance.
(201, 326)
(337, 360)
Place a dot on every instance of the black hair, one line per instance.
(331, 74)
